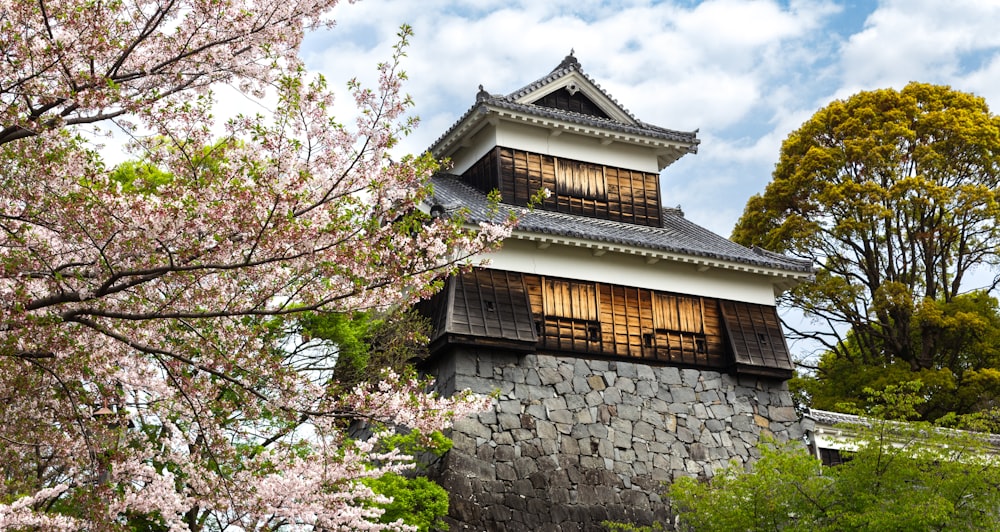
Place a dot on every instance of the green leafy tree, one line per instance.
(367, 342)
(893, 196)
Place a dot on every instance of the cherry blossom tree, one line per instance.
(148, 376)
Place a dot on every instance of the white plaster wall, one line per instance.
(632, 270)
(537, 139)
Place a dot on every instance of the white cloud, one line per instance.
(746, 72)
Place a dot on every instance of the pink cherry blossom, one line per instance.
(144, 365)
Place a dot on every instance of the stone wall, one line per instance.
(571, 442)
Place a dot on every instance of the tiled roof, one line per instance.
(485, 102)
(829, 418)
(677, 235)
(569, 64)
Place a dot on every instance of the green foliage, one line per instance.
(894, 196)
(367, 342)
(416, 501)
(415, 443)
(963, 382)
(910, 476)
(139, 177)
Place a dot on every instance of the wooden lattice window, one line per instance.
(578, 188)
(678, 333)
(678, 313)
(566, 299)
(571, 315)
(582, 180)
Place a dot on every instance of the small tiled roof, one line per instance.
(485, 102)
(829, 418)
(569, 64)
(677, 235)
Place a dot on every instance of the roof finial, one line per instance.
(569, 61)
(482, 94)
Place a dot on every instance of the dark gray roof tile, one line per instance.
(677, 235)
(486, 102)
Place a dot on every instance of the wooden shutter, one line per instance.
(755, 337)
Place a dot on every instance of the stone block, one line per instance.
(743, 423)
(685, 435)
(628, 412)
(473, 428)
(597, 382)
(554, 403)
(575, 401)
(546, 430)
(646, 389)
(783, 413)
(509, 421)
(515, 375)
(683, 394)
(723, 411)
(594, 398)
(612, 395)
(530, 449)
(627, 369)
(504, 453)
(643, 430)
(562, 416)
(535, 410)
(715, 425)
(525, 466)
(670, 375)
(625, 384)
(550, 375)
(533, 393)
(550, 447)
(598, 431)
(505, 471)
(522, 434)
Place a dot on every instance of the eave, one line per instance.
(782, 279)
(668, 146)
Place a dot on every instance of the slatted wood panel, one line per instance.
(485, 173)
(577, 187)
(568, 299)
(576, 103)
(492, 303)
(756, 339)
(581, 180)
(627, 322)
(602, 319)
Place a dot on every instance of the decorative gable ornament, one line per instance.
(566, 101)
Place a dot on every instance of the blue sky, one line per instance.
(745, 73)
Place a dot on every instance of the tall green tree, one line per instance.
(893, 195)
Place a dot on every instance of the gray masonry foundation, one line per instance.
(571, 442)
